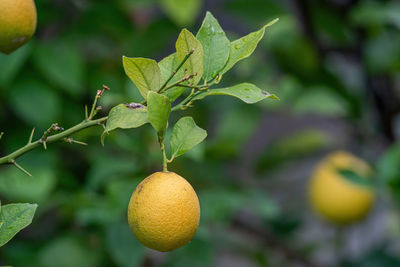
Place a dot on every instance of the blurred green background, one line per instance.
(333, 63)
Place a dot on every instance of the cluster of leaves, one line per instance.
(201, 59)
(205, 58)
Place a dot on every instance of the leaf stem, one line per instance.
(200, 88)
(179, 83)
(171, 159)
(185, 103)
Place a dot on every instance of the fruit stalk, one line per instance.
(165, 159)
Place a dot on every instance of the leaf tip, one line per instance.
(208, 13)
(274, 97)
(272, 22)
(103, 136)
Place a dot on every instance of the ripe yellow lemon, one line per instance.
(164, 211)
(17, 23)
(336, 198)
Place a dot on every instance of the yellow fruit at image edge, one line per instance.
(164, 211)
(17, 23)
(336, 198)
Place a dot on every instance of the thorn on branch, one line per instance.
(31, 136)
(1, 134)
(73, 141)
(44, 143)
(20, 168)
(86, 113)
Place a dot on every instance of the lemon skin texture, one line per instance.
(336, 198)
(17, 23)
(164, 211)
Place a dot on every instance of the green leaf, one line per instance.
(144, 72)
(185, 43)
(215, 45)
(356, 178)
(159, 108)
(167, 67)
(15, 217)
(125, 117)
(185, 135)
(174, 93)
(247, 92)
(182, 12)
(244, 47)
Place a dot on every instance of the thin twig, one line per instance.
(199, 88)
(96, 108)
(93, 110)
(179, 83)
(175, 71)
(186, 103)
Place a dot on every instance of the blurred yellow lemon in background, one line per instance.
(164, 211)
(337, 198)
(17, 23)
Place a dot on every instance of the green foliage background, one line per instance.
(335, 68)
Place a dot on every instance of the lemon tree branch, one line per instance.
(50, 139)
(47, 136)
